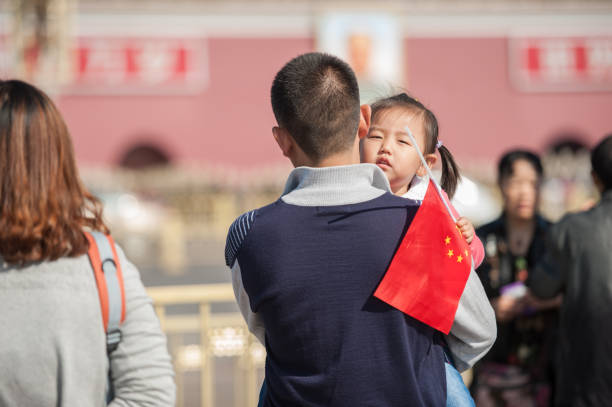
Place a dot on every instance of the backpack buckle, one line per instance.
(112, 340)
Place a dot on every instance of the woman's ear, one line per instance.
(431, 160)
(364, 120)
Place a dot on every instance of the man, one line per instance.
(304, 268)
(578, 264)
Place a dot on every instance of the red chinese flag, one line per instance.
(430, 268)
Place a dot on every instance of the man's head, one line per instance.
(601, 160)
(315, 99)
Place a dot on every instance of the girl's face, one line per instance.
(388, 146)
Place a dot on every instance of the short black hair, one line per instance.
(505, 168)
(315, 97)
(601, 160)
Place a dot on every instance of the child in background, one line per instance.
(388, 145)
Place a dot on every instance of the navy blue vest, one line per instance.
(310, 272)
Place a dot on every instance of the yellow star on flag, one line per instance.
(450, 253)
(459, 259)
(447, 240)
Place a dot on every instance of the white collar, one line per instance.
(417, 188)
(339, 185)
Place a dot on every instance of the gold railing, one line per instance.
(221, 335)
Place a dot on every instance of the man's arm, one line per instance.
(253, 320)
(237, 233)
(474, 329)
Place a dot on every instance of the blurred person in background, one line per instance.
(578, 263)
(517, 371)
(54, 350)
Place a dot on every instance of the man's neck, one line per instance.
(344, 158)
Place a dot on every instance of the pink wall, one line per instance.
(465, 82)
(229, 124)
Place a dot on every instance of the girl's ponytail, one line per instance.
(450, 172)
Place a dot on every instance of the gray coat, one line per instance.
(52, 343)
(578, 263)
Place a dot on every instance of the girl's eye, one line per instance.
(375, 136)
(404, 142)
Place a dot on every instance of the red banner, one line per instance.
(139, 65)
(575, 64)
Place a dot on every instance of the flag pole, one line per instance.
(431, 176)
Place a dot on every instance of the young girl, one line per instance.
(389, 147)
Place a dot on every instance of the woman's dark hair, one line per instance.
(450, 171)
(505, 167)
(43, 205)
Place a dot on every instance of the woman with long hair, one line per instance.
(54, 350)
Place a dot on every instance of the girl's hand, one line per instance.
(466, 228)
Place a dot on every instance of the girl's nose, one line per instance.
(384, 148)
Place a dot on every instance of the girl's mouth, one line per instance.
(383, 162)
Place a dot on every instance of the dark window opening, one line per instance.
(144, 156)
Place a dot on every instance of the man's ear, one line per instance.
(431, 160)
(283, 139)
(364, 121)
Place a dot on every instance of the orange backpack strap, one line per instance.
(109, 280)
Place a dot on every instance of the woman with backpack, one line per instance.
(55, 307)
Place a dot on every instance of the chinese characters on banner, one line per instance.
(140, 65)
(130, 65)
(565, 64)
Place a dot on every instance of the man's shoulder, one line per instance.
(583, 221)
(236, 234)
(239, 230)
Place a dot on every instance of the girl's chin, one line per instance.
(399, 190)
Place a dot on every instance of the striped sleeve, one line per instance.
(236, 235)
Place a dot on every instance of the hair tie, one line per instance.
(439, 144)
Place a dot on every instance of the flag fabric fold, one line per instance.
(429, 270)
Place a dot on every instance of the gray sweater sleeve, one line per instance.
(474, 329)
(142, 373)
(254, 321)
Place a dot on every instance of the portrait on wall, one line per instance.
(371, 44)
